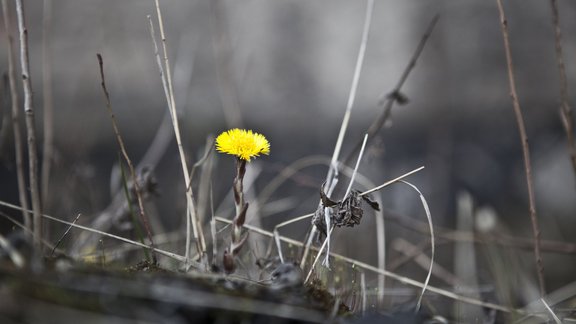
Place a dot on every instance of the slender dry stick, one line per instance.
(22, 226)
(47, 101)
(352, 95)
(554, 316)
(19, 150)
(64, 235)
(30, 128)
(167, 80)
(565, 110)
(387, 183)
(387, 102)
(137, 189)
(525, 149)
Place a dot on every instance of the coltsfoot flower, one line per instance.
(245, 144)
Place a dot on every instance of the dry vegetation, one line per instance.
(216, 255)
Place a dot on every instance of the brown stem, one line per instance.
(143, 216)
(30, 128)
(238, 239)
(525, 149)
(565, 110)
(19, 151)
(238, 184)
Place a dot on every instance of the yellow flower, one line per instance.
(245, 144)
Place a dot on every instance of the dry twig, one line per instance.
(169, 92)
(525, 148)
(30, 128)
(137, 188)
(565, 109)
(19, 151)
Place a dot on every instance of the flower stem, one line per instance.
(238, 239)
(238, 184)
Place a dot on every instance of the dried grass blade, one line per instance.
(432, 243)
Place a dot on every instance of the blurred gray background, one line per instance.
(284, 69)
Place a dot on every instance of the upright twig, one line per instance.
(30, 128)
(167, 82)
(387, 101)
(525, 148)
(565, 110)
(19, 150)
(137, 189)
(48, 144)
(352, 96)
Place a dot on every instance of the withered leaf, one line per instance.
(399, 97)
(372, 203)
(228, 262)
(327, 202)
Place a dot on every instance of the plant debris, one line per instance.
(347, 212)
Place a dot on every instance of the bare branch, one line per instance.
(137, 189)
(19, 150)
(566, 113)
(30, 128)
(525, 148)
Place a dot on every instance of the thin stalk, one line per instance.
(352, 95)
(64, 235)
(137, 189)
(129, 200)
(169, 89)
(19, 150)
(30, 128)
(432, 241)
(525, 149)
(565, 111)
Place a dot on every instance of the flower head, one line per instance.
(245, 144)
